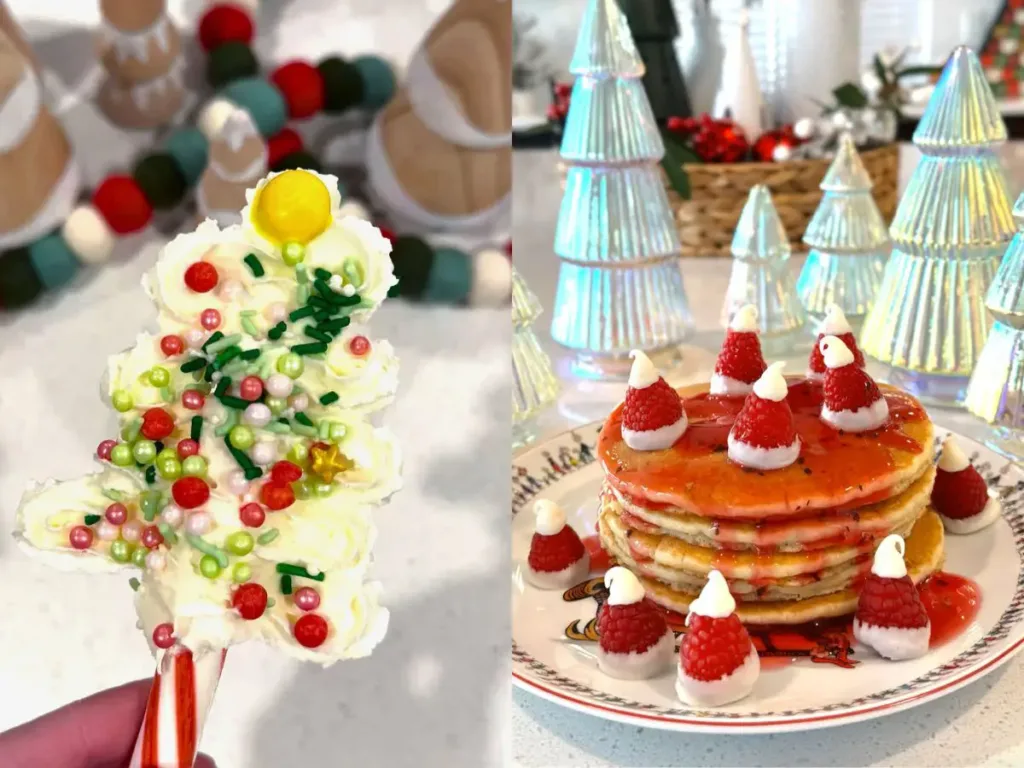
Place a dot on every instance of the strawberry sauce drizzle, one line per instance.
(600, 561)
(952, 603)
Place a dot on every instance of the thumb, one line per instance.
(204, 761)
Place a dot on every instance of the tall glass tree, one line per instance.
(619, 283)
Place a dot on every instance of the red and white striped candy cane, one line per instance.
(179, 701)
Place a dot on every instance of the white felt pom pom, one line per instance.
(355, 209)
(214, 115)
(492, 278)
(88, 235)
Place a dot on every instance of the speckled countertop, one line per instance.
(979, 725)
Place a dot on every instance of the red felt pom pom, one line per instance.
(225, 23)
(302, 86)
(310, 630)
(190, 492)
(122, 203)
(157, 424)
(250, 600)
(282, 144)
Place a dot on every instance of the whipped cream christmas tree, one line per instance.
(245, 470)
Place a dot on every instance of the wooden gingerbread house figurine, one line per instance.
(238, 160)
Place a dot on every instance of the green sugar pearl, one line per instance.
(338, 432)
(159, 376)
(209, 567)
(121, 455)
(240, 543)
(302, 490)
(276, 404)
(139, 557)
(120, 551)
(293, 253)
(194, 466)
(121, 400)
(169, 467)
(241, 437)
(291, 365)
(241, 573)
(298, 453)
(144, 451)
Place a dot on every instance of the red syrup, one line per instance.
(600, 561)
(952, 603)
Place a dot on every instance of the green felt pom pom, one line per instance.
(412, 259)
(54, 262)
(378, 81)
(19, 283)
(229, 62)
(450, 278)
(297, 160)
(343, 84)
(160, 180)
(191, 151)
(263, 102)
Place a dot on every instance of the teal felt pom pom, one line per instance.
(54, 262)
(450, 278)
(262, 101)
(378, 80)
(190, 151)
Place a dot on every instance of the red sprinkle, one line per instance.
(201, 277)
(252, 515)
(277, 496)
(151, 537)
(163, 635)
(187, 447)
(250, 600)
(157, 424)
(80, 537)
(285, 472)
(250, 388)
(190, 492)
(103, 449)
(172, 345)
(310, 630)
(359, 345)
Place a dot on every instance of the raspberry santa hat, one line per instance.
(558, 558)
(960, 494)
(763, 435)
(652, 416)
(852, 402)
(635, 640)
(718, 663)
(834, 324)
(740, 362)
(890, 616)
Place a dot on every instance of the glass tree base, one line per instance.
(930, 389)
(523, 434)
(586, 365)
(1006, 442)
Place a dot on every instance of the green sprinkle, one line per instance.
(234, 402)
(301, 429)
(322, 317)
(131, 430)
(207, 548)
(303, 419)
(302, 294)
(150, 474)
(298, 570)
(278, 428)
(324, 431)
(167, 394)
(228, 425)
(208, 375)
(310, 349)
(243, 461)
(214, 338)
(271, 602)
(168, 533)
(322, 274)
(227, 356)
(223, 343)
(326, 291)
(313, 333)
(249, 354)
(277, 331)
(193, 364)
(222, 386)
(286, 585)
(90, 519)
(253, 473)
(334, 325)
(150, 504)
(197, 428)
(267, 536)
(254, 265)
(301, 275)
(329, 397)
(353, 271)
(113, 495)
(134, 584)
(249, 326)
(301, 312)
(316, 301)
(234, 368)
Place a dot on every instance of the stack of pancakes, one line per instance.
(793, 543)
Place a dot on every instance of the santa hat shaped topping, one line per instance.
(714, 601)
(634, 639)
(960, 494)
(652, 416)
(550, 519)
(834, 324)
(888, 562)
(623, 586)
(558, 558)
(763, 435)
(740, 361)
(852, 400)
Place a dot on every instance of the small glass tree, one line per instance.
(534, 384)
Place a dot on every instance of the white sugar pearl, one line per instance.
(492, 279)
(198, 523)
(335, 282)
(276, 313)
(257, 414)
(263, 453)
(156, 561)
(172, 514)
(107, 531)
(354, 208)
(214, 115)
(348, 290)
(237, 483)
(131, 531)
(88, 235)
(299, 402)
(194, 338)
(279, 385)
(230, 290)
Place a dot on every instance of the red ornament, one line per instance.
(225, 23)
(163, 635)
(252, 515)
(302, 87)
(250, 600)
(285, 472)
(193, 399)
(123, 204)
(172, 345)
(282, 144)
(80, 537)
(277, 496)
(201, 277)
(151, 537)
(187, 447)
(157, 424)
(190, 492)
(767, 143)
(103, 449)
(718, 141)
(310, 630)
(250, 388)
(359, 346)
(210, 319)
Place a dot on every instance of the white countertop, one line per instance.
(436, 691)
(978, 725)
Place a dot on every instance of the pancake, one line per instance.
(824, 529)
(924, 555)
(835, 471)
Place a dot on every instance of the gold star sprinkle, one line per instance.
(328, 461)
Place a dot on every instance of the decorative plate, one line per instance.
(552, 638)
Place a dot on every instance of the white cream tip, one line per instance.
(745, 319)
(643, 373)
(889, 563)
(550, 517)
(772, 384)
(714, 601)
(624, 588)
(953, 458)
(835, 352)
(835, 323)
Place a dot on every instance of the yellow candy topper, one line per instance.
(294, 206)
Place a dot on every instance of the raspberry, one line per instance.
(550, 554)
(817, 362)
(740, 357)
(849, 388)
(713, 648)
(630, 628)
(959, 494)
(652, 407)
(764, 423)
(890, 603)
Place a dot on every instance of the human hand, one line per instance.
(97, 732)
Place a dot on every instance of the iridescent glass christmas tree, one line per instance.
(996, 389)
(929, 323)
(534, 384)
(848, 242)
(761, 276)
(619, 283)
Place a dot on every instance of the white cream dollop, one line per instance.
(714, 601)
(745, 319)
(624, 588)
(835, 322)
(835, 352)
(772, 384)
(550, 519)
(888, 562)
(642, 374)
(953, 458)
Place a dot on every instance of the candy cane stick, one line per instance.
(179, 701)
